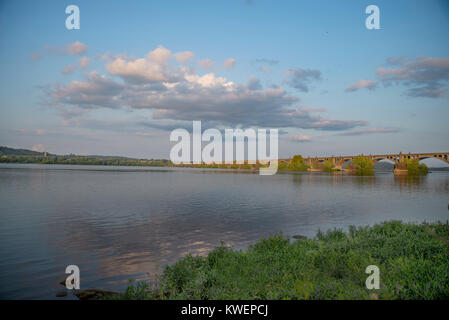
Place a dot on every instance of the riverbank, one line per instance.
(360, 166)
(413, 262)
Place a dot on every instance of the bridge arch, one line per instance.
(434, 161)
(443, 157)
(346, 163)
(385, 159)
(389, 158)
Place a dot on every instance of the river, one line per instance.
(117, 223)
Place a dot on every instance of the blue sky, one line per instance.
(310, 68)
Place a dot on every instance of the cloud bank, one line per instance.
(174, 93)
(301, 78)
(367, 84)
(424, 77)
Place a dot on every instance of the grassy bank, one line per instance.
(413, 262)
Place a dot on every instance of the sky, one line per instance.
(136, 70)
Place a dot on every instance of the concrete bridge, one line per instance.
(398, 159)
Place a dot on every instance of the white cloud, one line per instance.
(98, 91)
(300, 138)
(183, 57)
(153, 68)
(160, 55)
(76, 48)
(84, 62)
(180, 94)
(229, 63)
(206, 64)
(208, 80)
(368, 84)
(426, 76)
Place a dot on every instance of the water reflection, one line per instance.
(404, 182)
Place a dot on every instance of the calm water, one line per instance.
(117, 223)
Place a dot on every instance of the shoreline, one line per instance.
(335, 172)
(412, 259)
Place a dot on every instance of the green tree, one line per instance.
(328, 166)
(415, 168)
(282, 166)
(363, 166)
(297, 164)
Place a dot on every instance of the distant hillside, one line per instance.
(11, 155)
(4, 151)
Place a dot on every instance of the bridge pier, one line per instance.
(400, 172)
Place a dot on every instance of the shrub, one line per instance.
(297, 164)
(363, 166)
(328, 166)
(415, 168)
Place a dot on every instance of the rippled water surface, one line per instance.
(117, 223)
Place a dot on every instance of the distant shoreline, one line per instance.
(24, 156)
(158, 164)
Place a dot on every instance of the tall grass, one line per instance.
(413, 262)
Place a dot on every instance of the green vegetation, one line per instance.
(282, 166)
(363, 166)
(296, 164)
(413, 262)
(11, 155)
(415, 168)
(22, 152)
(234, 166)
(328, 166)
(82, 160)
